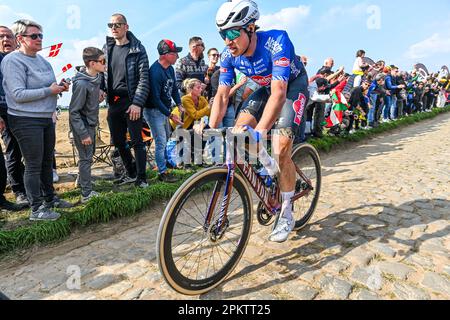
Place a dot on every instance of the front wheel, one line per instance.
(309, 178)
(194, 255)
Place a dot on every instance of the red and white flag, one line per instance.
(64, 70)
(67, 68)
(54, 50)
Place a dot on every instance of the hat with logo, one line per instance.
(166, 46)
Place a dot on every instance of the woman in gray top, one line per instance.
(31, 95)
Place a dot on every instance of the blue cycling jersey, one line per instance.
(274, 59)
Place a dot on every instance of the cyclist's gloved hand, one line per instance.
(255, 135)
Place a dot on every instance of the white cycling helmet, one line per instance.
(236, 13)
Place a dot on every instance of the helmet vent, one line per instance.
(241, 16)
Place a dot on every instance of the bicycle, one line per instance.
(221, 228)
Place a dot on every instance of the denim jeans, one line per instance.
(371, 115)
(158, 123)
(229, 119)
(387, 107)
(36, 138)
(394, 107)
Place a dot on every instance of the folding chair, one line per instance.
(102, 149)
(148, 140)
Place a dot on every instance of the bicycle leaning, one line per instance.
(207, 223)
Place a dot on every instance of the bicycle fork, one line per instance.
(217, 228)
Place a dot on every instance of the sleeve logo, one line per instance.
(283, 62)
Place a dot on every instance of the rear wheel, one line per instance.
(306, 159)
(195, 256)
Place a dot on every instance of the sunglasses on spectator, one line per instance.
(102, 61)
(215, 55)
(230, 34)
(116, 25)
(34, 36)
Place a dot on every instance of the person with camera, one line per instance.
(31, 94)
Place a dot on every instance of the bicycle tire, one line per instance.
(168, 266)
(307, 151)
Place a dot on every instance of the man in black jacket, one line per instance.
(127, 87)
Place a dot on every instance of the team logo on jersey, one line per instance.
(283, 62)
(273, 46)
(263, 81)
(299, 108)
(223, 70)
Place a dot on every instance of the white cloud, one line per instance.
(8, 16)
(286, 19)
(436, 44)
(340, 14)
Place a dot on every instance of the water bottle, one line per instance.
(264, 174)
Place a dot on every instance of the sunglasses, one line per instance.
(103, 61)
(215, 55)
(34, 36)
(230, 34)
(116, 25)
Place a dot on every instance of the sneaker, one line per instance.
(282, 230)
(92, 195)
(142, 184)
(9, 206)
(125, 179)
(44, 214)
(55, 176)
(22, 200)
(167, 178)
(352, 132)
(58, 204)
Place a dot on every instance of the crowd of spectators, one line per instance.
(167, 94)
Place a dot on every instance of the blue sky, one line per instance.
(400, 32)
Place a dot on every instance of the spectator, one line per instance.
(375, 90)
(365, 75)
(31, 95)
(358, 105)
(195, 105)
(418, 97)
(84, 115)
(158, 107)
(304, 59)
(391, 95)
(213, 56)
(192, 66)
(359, 63)
(127, 85)
(13, 155)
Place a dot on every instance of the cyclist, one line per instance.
(269, 59)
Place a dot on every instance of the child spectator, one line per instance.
(84, 114)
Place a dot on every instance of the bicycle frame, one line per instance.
(269, 198)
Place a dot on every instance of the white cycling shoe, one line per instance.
(282, 230)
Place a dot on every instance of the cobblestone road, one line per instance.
(381, 232)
